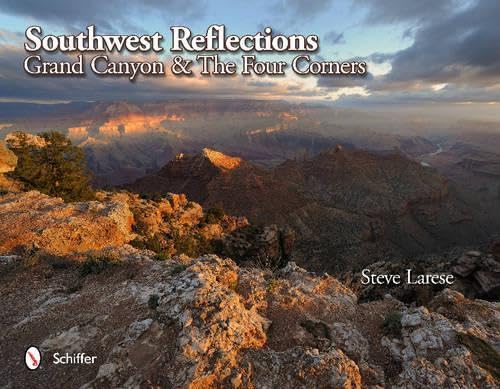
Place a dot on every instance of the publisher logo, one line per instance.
(32, 358)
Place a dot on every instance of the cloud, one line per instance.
(398, 11)
(8, 37)
(334, 37)
(451, 44)
(109, 15)
(301, 10)
(450, 95)
(344, 81)
(463, 48)
(460, 50)
(380, 58)
(262, 83)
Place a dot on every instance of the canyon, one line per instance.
(224, 271)
(347, 206)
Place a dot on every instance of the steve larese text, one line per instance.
(369, 278)
(103, 65)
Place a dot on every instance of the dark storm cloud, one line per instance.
(463, 48)
(344, 81)
(301, 10)
(262, 26)
(380, 57)
(334, 38)
(397, 11)
(110, 15)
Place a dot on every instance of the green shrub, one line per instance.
(31, 261)
(96, 265)
(153, 301)
(162, 256)
(318, 329)
(392, 324)
(157, 197)
(214, 215)
(187, 245)
(153, 243)
(273, 284)
(192, 246)
(179, 268)
(56, 169)
(233, 285)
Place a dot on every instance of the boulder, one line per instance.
(269, 246)
(33, 220)
(495, 249)
(479, 274)
(489, 282)
(465, 265)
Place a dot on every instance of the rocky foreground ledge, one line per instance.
(205, 322)
(71, 283)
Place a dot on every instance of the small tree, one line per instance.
(214, 215)
(56, 168)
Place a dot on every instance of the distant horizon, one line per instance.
(486, 113)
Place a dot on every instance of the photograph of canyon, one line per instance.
(266, 232)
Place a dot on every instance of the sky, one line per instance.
(419, 53)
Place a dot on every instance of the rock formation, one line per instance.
(8, 162)
(173, 225)
(345, 205)
(268, 247)
(32, 220)
(8, 159)
(480, 273)
(206, 323)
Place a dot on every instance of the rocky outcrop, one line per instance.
(206, 323)
(32, 220)
(221, 160)
(8, 159)
(440, 349)
(173, 225)
(175, 321)
(8, 162)
(169, 226)
(267, 247)
(476, 274)
(154, 318)
(479, 273)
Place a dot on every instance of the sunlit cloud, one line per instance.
(438, 87)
